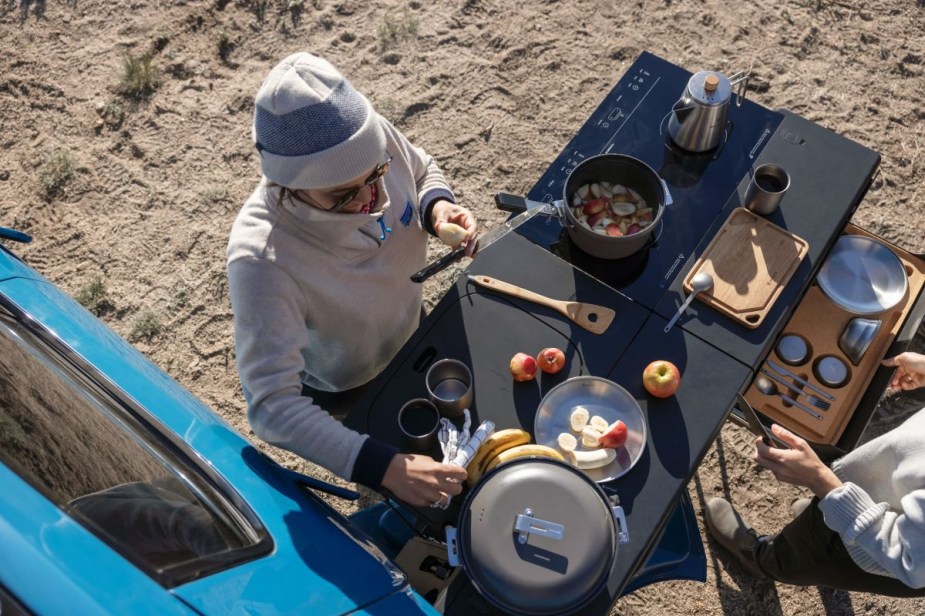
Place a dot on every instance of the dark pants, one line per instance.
(808, 553)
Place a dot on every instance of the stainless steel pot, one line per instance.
(537, 537)
(618, 169)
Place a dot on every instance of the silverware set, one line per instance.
(764, 384)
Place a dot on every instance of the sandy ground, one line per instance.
(130, 201)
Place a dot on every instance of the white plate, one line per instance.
(600, 397)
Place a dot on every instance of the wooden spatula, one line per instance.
(595, 319)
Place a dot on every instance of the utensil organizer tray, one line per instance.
(820, 322)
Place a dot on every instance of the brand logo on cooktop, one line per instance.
(677, 262)
(761, 139)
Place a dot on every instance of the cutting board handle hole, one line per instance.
(424, 359)
(753, 318)
(593, 317)
(909, 270)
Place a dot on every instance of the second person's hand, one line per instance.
(910, 371)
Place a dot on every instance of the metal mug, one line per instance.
(766, 188)
(449, 387)
(418, 421)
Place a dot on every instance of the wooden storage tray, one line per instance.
(751, 259)
(820, 322)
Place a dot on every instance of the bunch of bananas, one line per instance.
(504, 446)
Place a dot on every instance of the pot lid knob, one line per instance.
(711, 83)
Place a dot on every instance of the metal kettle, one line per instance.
(697, 121)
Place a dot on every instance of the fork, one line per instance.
(819, 403)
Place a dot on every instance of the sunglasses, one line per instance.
(349, 196)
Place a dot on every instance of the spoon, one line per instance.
(765, 386)
(701, 282)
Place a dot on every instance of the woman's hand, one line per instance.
(420, 481)
(910, 371)
(799, 465)
(446, 211)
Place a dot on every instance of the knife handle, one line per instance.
(510, 203)
(439, 265)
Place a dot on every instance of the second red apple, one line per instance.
(661, 378)
(551, 360)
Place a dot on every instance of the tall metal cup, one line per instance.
(766, 188)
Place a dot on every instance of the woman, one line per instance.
(319, 261)
(865, 528)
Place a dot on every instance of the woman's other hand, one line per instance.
(447, 211)
(799, 465)
(420, 481)
(910, 371)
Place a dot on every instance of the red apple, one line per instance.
(523, 367)
(594, 206)
(593, 219)
(613, 230)
(661, 378)
(551, 360)
(633, 228)
(615, 437)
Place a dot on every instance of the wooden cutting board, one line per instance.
(751, 260)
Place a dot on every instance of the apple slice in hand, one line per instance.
(615, 437)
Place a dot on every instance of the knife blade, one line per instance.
(483, 241)
(781, 370)
(755, 424)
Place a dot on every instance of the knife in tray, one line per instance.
(486, 239)
(781, 370)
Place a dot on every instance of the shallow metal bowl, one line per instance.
(862, 276)
(601, 397)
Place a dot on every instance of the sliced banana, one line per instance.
(578, 419)
(567, 442)
(599, 423)
(591, 437)
(595, 458)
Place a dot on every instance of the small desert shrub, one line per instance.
(146, 326)
(139, 76)
(396, 28)
(112, 113)
(57, 170)
(225, 44)
(95, 298)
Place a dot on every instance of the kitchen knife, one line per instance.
(755, 424)
(484, 240)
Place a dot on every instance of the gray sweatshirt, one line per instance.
(879, 512)
(320, 298)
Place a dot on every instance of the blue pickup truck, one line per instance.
(124, 494)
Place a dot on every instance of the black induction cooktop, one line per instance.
(632, 119)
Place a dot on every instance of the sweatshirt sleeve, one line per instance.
(880, 540)
(429, 180)
(270, 332)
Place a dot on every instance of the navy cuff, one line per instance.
(372, 462)
(427, 204)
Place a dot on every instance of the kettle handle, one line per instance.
(740, 79)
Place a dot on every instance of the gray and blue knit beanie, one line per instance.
(312, 129)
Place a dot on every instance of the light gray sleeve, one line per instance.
(270, 331)
(877, 538)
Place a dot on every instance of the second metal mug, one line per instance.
(766, 188)
(419, 421)
(449, 387)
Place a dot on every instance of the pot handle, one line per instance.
(668, 199)
(622, 533)
(452, 547)
(525, 525)
(740, 79)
